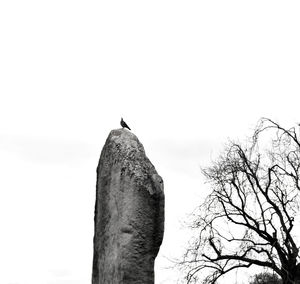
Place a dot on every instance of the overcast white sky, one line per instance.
(185, 75)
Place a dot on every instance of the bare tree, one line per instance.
(248, 218)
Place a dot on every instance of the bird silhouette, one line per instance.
(124, 124)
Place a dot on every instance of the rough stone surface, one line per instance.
(129, 213)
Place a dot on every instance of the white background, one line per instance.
(185, 75)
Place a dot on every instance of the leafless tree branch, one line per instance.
(248, 218)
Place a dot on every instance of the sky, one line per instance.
(185, 75)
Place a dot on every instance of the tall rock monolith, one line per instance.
(129, 213)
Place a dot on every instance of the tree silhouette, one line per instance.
(248, 217)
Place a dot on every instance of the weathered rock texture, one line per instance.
(129, 213)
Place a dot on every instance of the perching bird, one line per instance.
(124, 124)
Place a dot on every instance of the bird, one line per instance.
(124, 124)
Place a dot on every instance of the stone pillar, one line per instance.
(129, 213)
